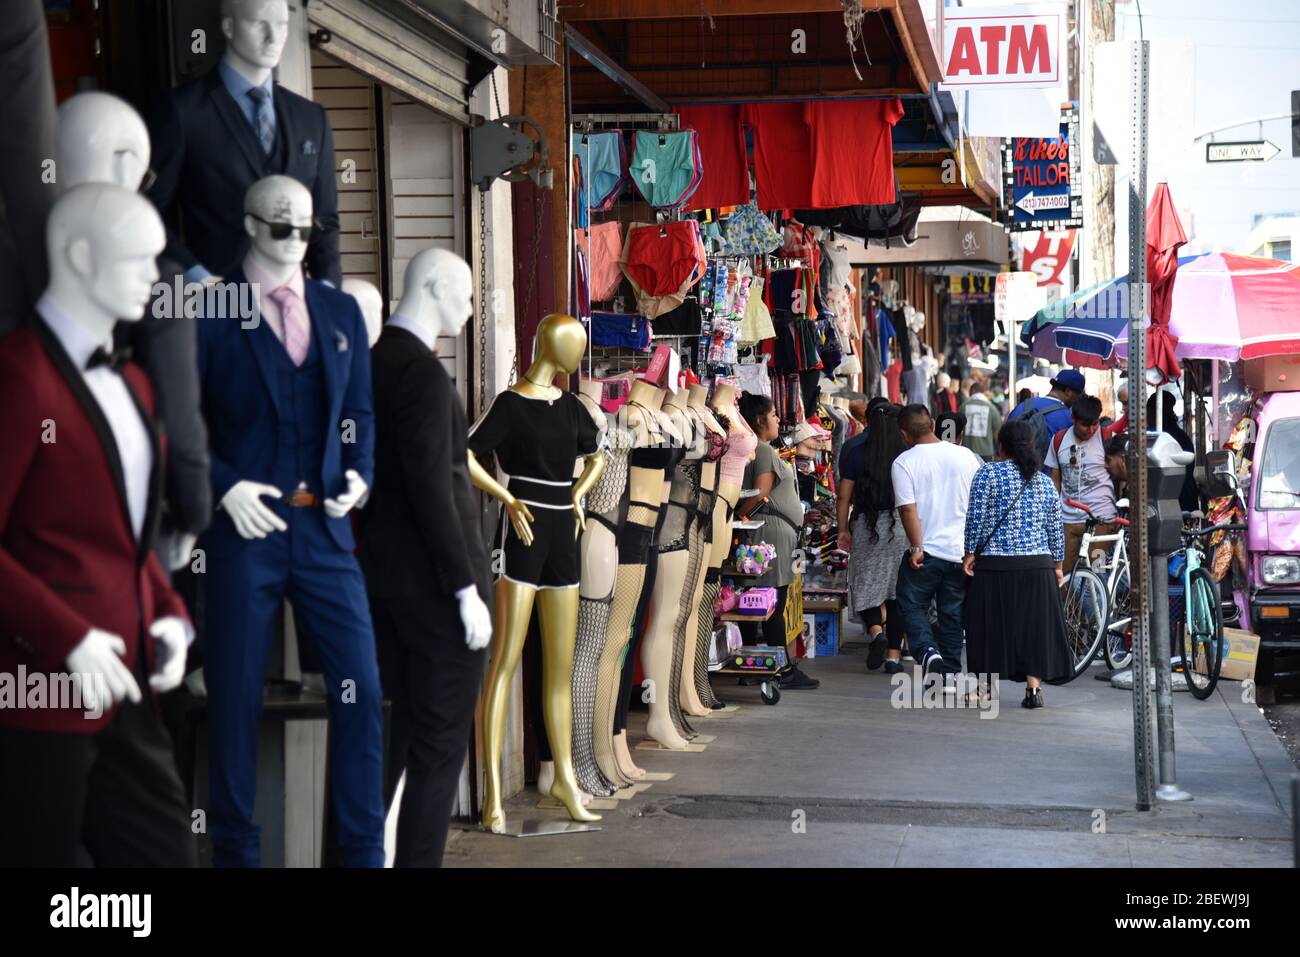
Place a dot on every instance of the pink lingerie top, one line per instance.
(741, 443)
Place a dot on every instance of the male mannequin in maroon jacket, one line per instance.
(89, 627)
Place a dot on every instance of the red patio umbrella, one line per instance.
(1164, 237)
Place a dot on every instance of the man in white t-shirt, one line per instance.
(931, 489)
(1076, 458)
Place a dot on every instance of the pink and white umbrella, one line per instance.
(1227, 306)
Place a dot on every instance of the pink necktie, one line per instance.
(294, 320)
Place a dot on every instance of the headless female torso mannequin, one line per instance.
(694, 692)
(659, 650)
(599, 553)
(645, 490)
(741, 443)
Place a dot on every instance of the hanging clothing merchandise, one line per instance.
(750, 233)
(785, 296)
(886, 334)
(605, 246)
(662, 262)
(685, 320)
(626, 330)
(862, 129)
(603, 159)
(721, 138)
(836, 273)
(666, 167)
(756, 323)
(754, 378)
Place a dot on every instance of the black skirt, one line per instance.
(1014, 624)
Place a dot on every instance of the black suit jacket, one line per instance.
(206, 156)
(419, 531)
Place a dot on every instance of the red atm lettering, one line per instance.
(1028, 51)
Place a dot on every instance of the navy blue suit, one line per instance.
(285, 425)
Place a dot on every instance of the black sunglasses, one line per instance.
(285, 230)
(150, 177)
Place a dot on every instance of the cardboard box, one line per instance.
(1273, 374)
(1240, 656)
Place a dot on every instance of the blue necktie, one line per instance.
(263, 117)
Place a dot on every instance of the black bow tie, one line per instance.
(114, 360)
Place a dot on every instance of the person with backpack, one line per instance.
(1076, 458)
(1049, 414)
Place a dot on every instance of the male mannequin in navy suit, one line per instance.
(273, 131)
(286, 393)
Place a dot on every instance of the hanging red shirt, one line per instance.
(783, 159)
(852, 151)
(722, 148)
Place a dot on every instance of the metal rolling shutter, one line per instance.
(425, 64)
(349, 101)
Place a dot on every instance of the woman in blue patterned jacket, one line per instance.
(1014, 547)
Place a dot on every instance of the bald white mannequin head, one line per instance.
(255, 32)
(103, 242)
(268, 203)
(372, 305)
(438, 292)
(101, 139)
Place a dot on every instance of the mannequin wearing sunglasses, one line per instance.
(102, 139)
(288, 405)
(273, 131)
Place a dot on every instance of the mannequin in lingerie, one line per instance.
(540, 549)
(695, 692)
(647, 461)
(741, 443)
(661, 652)
(599, 556)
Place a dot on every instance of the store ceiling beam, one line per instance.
(624, 80)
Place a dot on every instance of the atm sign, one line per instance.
(1018, 46)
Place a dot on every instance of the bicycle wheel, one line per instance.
(1085, 606)
(1118, 646)
(1200, 639)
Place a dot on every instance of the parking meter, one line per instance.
(1166, 467)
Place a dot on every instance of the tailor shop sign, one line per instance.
(1043, 185)
(1017, 47)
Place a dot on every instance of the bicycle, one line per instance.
(1085, 599)
(1200, 638)
(1117, 644)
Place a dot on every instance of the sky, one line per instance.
(1247, 62)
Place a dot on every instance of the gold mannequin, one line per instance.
(560, 344)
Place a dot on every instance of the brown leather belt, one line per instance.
(301, 498)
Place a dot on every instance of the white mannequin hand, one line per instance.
(244, 505)
(171, 638)
(357, 487)
(474, 616)
(98, 659)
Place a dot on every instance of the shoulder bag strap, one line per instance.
(989, 537)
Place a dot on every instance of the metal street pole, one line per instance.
(1139, 565)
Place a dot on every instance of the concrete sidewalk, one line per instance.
(839, 776)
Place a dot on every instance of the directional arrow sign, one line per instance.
(1254, 151)
(1032, 204)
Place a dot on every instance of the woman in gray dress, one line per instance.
(878, 542)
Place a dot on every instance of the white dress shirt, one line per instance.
(109, 389)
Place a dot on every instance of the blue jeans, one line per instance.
(944, 583)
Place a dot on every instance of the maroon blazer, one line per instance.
(69, 560)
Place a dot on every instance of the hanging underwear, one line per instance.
(601, 156)
(624, 329)
(663, 262)
(605, 248)
(685, 320)
(665, 167)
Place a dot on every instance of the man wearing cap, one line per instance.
(1055, 406)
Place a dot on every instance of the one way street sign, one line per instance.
(1254, 151)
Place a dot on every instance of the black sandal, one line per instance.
(1033, 698)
